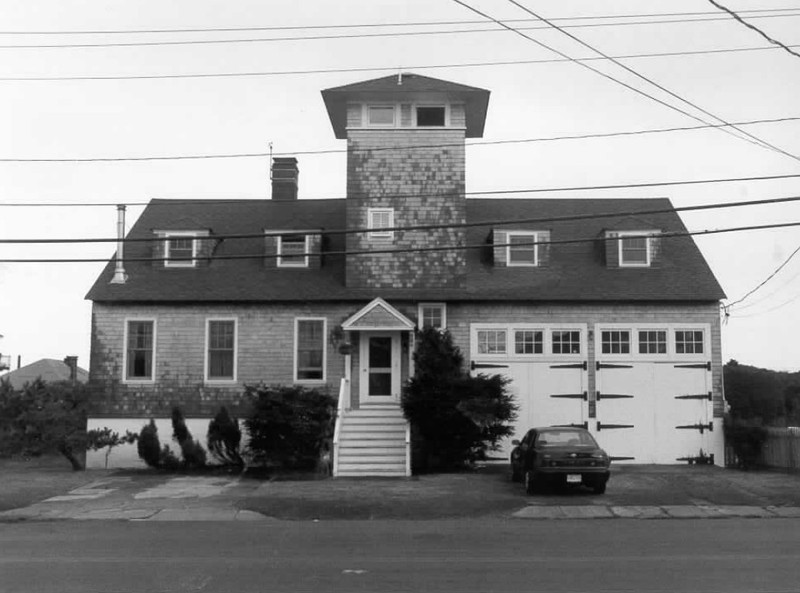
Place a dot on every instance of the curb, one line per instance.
(656, 512)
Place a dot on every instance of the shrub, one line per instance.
(192, 452)
(105, 438)
(289, 426)
(148, 446)
(747, 441)
(224, 438)
(455, 418)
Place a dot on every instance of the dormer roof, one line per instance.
(407, 87)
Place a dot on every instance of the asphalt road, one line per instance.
(641, 556)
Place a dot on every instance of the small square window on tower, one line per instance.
(380, 115)
(378, 219)
(431, 116)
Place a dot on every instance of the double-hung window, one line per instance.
(521, 249)
(309, 350)
(432, 315)
(379, 219)
(292, 251)
(221, 350)
(634, 249)
(180, 250)
(140, 350)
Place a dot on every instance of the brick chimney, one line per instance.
(72, 363)
(284, 179)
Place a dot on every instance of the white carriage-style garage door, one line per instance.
(652, 401)
(653, 393)
(547, 367)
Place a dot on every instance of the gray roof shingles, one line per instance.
(575, 271)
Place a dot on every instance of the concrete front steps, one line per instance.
(372, 442)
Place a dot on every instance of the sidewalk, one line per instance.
(634, 492)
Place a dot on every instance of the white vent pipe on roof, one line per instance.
(120, 276)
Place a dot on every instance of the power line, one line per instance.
(389, 148)
(668, 235)
(767, 279)
(426, 227)
(754, 28)
(474, 193)
(377, 68)
(348, 36)
(753, 13)
(756, 139)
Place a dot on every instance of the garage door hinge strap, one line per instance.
(699, 365)
(612, 396)
(485, 365)
(698, 396)
(578, 365)
(601, 426)
(584, 396)
(584, 424)
(701, 427)
(607, 365)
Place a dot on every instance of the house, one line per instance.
(602, 312)
(47, 369)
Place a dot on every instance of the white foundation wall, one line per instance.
(126, 456)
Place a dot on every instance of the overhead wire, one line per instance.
(391, 148)
(472, 193)
(752, 13)
(762, 283)
(738, 18)
(752, 138)
(351, 35)
(202, 75)
(666, 235)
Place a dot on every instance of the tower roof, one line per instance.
(406, 87)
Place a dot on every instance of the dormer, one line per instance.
(634, 248)
(293, 249)
(520, 248)
(182, 248)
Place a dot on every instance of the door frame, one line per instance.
(363, 363)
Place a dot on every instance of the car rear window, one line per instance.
(564, 438)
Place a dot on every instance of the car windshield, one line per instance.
(561, 438)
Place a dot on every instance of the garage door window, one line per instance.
(528, 342)
(653, 342)
(566, 342)
(688, 342)
(616, 342)
(491, 341)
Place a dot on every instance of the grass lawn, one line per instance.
(24, 482)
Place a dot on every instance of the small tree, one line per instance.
(105, 438)
(289, 426)
(149, 445)
(224, 438)
(192, 452)
(455, 418)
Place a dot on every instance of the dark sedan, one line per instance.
(560, 455)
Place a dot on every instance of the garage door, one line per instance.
(551, 389)
(653, 393)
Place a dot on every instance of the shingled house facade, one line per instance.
(602, 312)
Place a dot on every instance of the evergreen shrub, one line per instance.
(224, 438)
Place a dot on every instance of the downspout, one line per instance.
(120, 277)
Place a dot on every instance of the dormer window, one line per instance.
(634, 249)
(180, 250)
(431, 116)
(292, 251)
(380, 115)
(521, 248)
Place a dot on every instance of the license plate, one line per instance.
(573, 478)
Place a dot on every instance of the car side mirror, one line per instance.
(515, 442)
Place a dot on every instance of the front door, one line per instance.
(380, 368)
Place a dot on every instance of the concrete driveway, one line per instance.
(644, 492)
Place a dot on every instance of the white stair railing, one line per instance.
(344, 390)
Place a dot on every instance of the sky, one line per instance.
(264, 91)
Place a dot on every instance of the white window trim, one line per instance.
(414, 107)
(534, 238)
(670, 328)
(513, 341)
(547, 338)
(648, 235)
(224, 380)
(567, 328)
(368, 124)
(384, 235)
(324, 321)
(138, 380)
(420, 319)
(279, 248)
(180, 263)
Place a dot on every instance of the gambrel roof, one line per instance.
(575, 272)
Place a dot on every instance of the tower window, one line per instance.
(430, 116)
(380, 115)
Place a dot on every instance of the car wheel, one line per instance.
(600, 488)
(530, 482)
